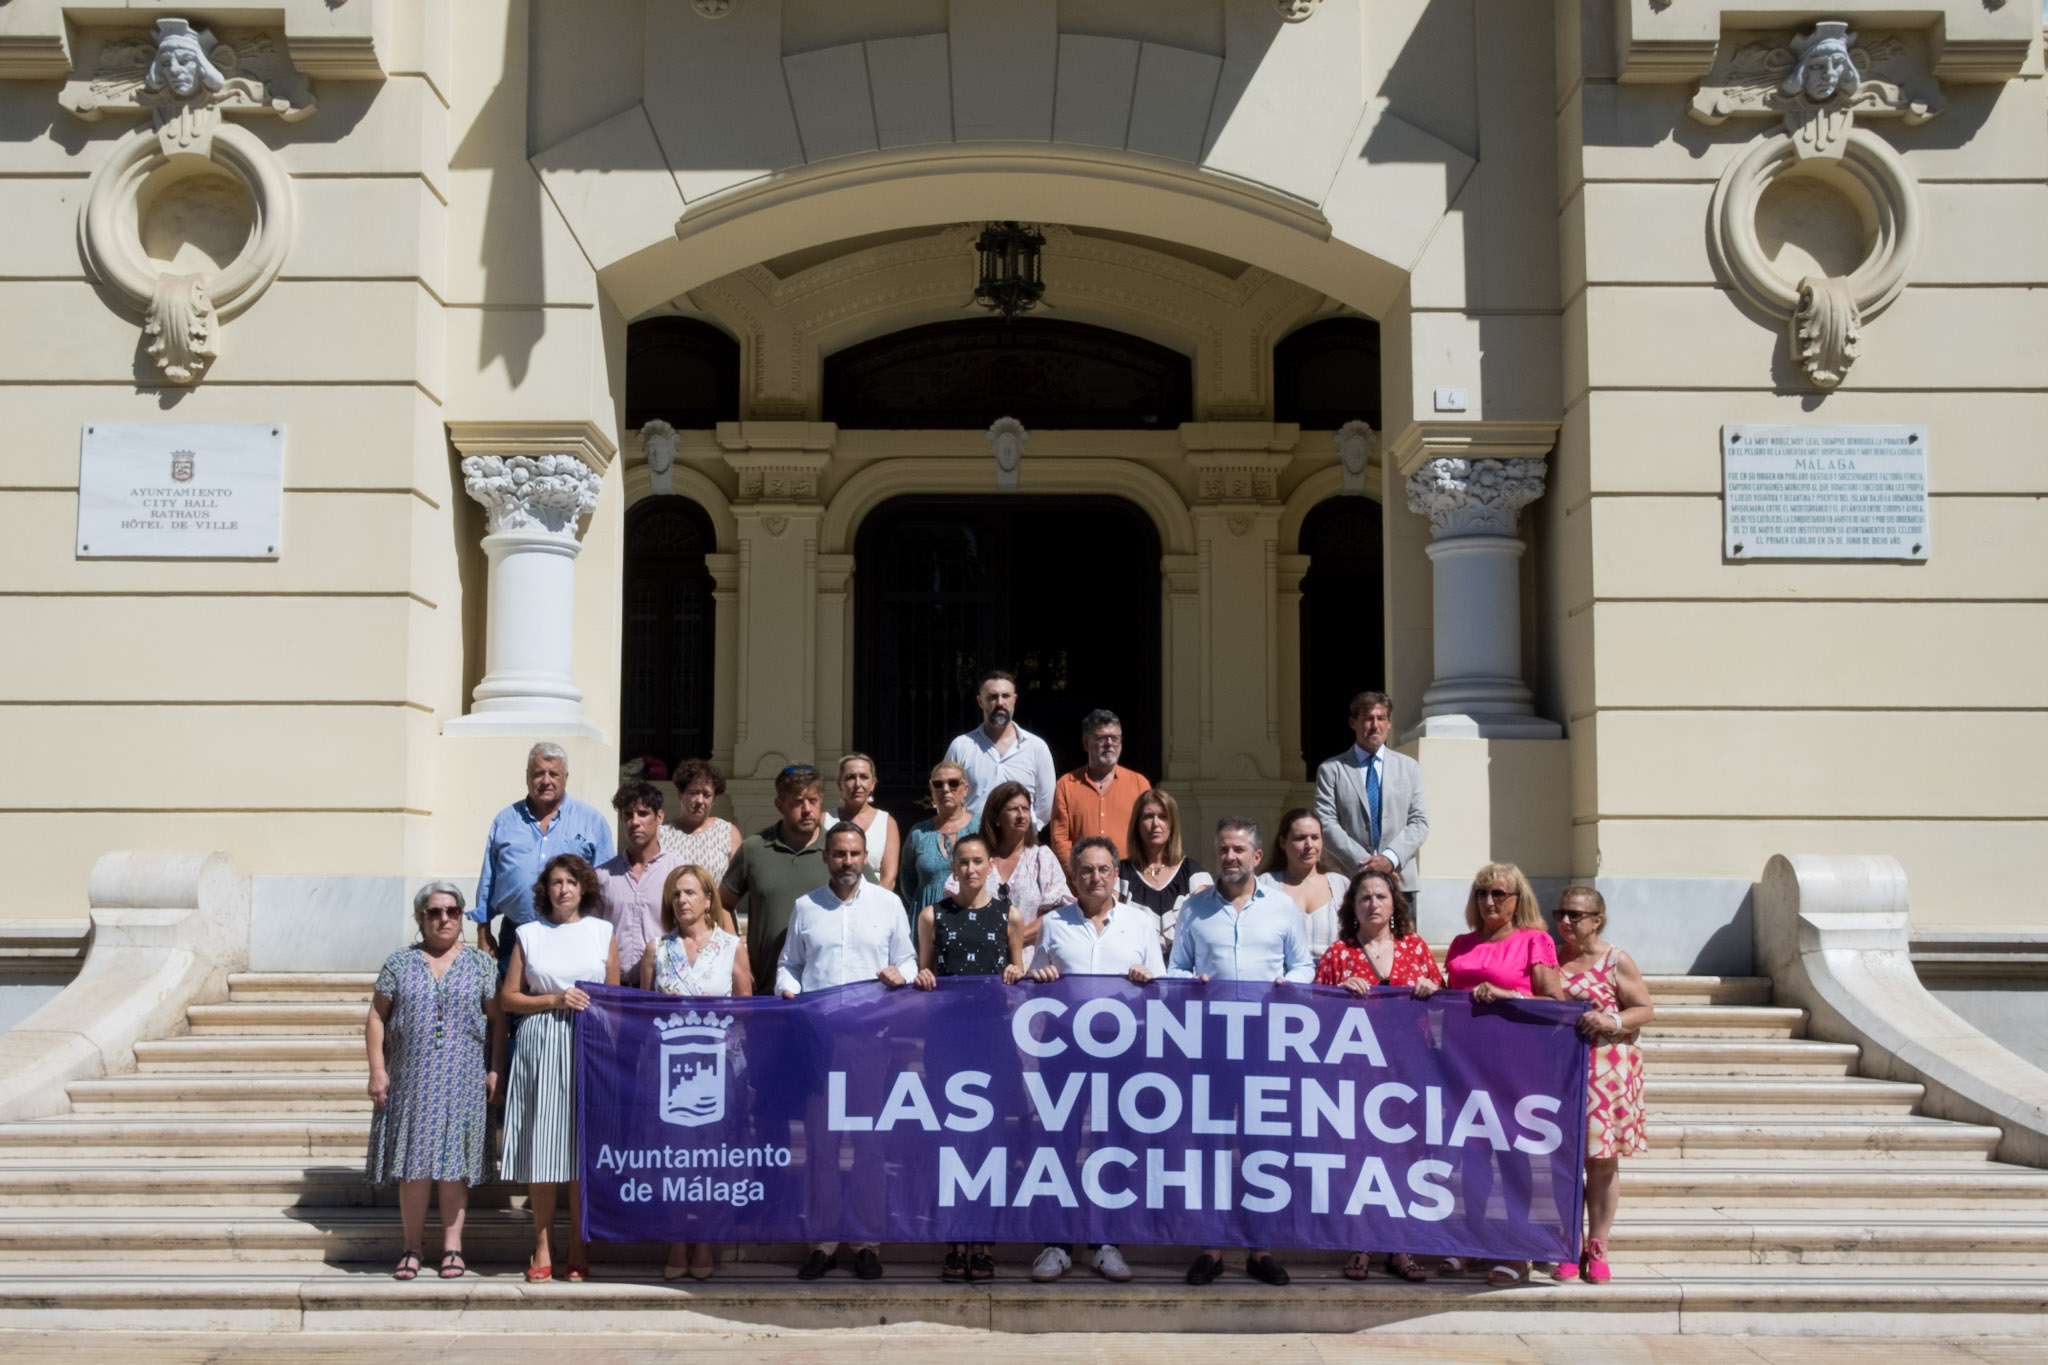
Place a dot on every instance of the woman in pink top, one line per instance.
(1508, 953)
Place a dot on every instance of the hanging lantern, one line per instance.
(1010, 283)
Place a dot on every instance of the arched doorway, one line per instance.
(1343, 620)
(665, 674)
(1061, 591)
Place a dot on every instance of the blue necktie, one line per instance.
(1372, 800)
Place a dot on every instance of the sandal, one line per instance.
(577, 1274)
(408, 1266)
(954, 1271)
(1357, 1267)
(1451, 1265)
(1505, 1273)
(1402, 1266)
(539, 1274)
(453, 1266)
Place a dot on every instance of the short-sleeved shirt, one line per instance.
(772, 876)
(1506, 963)
(1412, 963)
(634, 906)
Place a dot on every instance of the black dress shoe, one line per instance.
(867, 1264)
(1205, 1269)
(816, 1264)
(1265, 1268)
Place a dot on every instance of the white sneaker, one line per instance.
(1050, 1265)
(1109, 1263)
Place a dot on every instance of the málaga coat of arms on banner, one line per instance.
(693, 1068)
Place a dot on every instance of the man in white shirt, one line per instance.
(999, 750)
(1369, 799)
(1097, 935)
(1237, 930)
(848, 930)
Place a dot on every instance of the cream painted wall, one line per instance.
(494, 189)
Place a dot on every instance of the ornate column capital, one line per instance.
(533, 476)
(1474, 497)
(1419, 442)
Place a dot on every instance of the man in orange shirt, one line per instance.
(1095, 801)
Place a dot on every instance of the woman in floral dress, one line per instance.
(1604, 976)
(431, 1016)
(695, 957)
(1376, 945)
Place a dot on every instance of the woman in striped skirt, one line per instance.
(567, 944)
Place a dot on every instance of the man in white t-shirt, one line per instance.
(848, 930)
(999, 750)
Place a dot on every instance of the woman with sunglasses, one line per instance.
(1507, 955)
(927, 858)
(432, 1014)
(1601, 974)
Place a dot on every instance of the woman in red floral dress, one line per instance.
(1596, 971)
(1376, 945)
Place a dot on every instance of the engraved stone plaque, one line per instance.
(1793, 492)
(179, 490)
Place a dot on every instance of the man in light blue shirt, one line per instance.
(524, 836)
(1237, 931)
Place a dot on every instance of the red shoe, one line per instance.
(577, 1273)
(1595, 1261)
(538, 1274)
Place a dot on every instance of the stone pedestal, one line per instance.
(536, 497)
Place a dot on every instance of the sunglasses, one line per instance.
(439, 912)
(947, 783)
(1493, 893)
(798, 770)
(1567, 916)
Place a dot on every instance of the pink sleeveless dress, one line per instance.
(1614, 1097)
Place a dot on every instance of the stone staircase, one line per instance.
(218, 1186)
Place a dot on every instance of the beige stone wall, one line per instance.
(1721, 711)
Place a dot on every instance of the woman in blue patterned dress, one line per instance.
(694, 957)
(927, 857)
(430, 1019)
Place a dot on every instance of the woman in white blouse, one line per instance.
(694, 957)
(568, 944)
(1295, 868)
(1025, 872)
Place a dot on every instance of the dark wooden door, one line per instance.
(665, 675)
(1062, 592)
(1343, 621)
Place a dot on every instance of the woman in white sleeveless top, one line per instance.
(856, 806)
(1295, 868)
(694, 957)
(568, 944)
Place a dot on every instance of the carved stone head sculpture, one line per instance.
(1006, 438)
(183, 61)
(1826, 66)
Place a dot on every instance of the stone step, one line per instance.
(1652, 1180)
(326, 1018)
(304, 986)
(1690, 1055)
(1708, 990)
(1767, 1138)
(223, 1053)
(1726, 1021)
(1819, 1097)
(1891, 1303)
(217, 1092)
(182, 1135)
(1641, 1235)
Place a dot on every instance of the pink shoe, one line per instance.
(1595, 1261)
(1565, 1270)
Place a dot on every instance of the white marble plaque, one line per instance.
(180, 490)
(1824, 492)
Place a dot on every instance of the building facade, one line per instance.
(630, 389)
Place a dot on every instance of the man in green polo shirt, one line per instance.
(776, 867)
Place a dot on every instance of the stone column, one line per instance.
(535, 499)
(1472, 506)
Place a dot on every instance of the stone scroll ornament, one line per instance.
(185, 79)
(1817, 85)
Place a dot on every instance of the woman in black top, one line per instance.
(1155, 874)
(972, 932)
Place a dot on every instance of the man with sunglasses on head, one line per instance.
(999, 750)
(777, 867)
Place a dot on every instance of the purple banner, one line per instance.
(1090, 1109)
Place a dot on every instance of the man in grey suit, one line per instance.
(1369, 799)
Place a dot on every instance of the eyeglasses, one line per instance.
(440, 912)
(1095, 874)
(946, 783)
(1493, 893)
(1567, 916)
